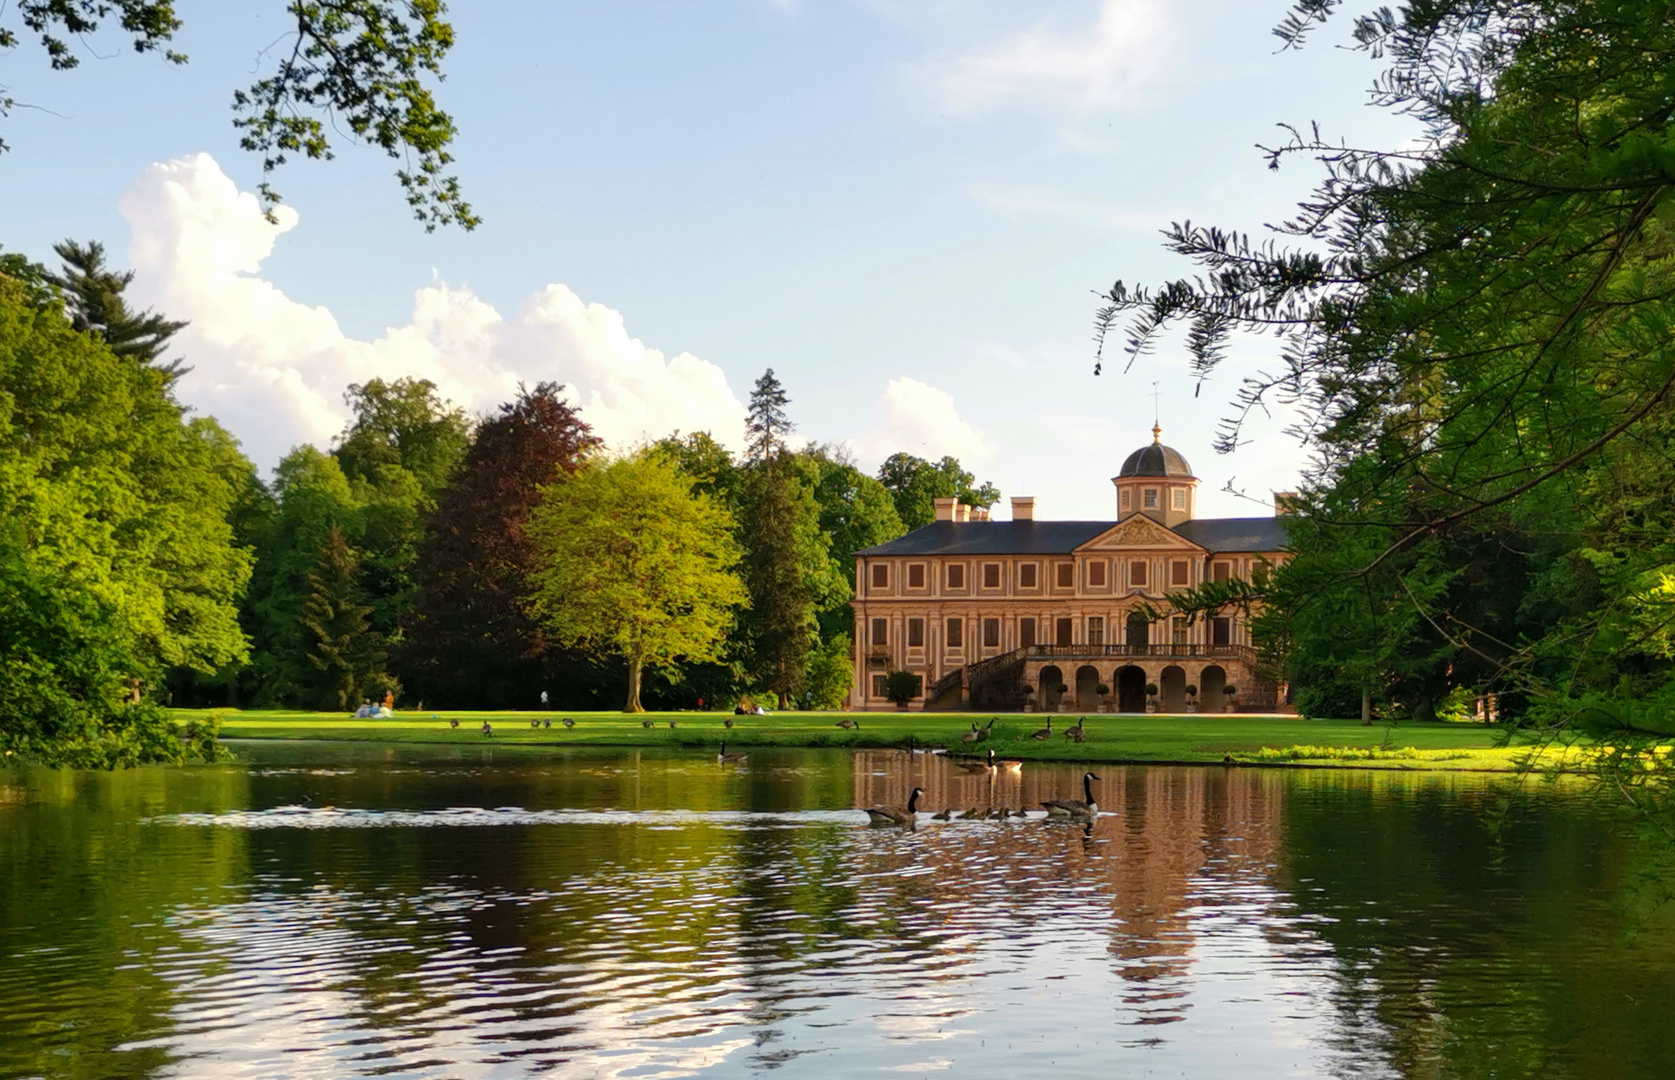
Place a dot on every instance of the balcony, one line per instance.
(1138, 652)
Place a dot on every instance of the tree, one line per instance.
(341, 645)
(1477, 329)
(902, 687)
(634, 563)
(766, 425)
(471, 640)
(831, 673)
(915, 484)
(117, 559)
(856, 512)
(359, 66)
(93, 300)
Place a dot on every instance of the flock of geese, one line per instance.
(1084, 809)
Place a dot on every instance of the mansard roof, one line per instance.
(1064, 537)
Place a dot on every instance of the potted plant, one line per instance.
(1230, 690)
(1151, 697)
(902, 687)
(1191, 697)
(1104, 693)
(1064, 706)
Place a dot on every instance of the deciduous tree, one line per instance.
(634, 564)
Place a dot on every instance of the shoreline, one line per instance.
(1250, 740)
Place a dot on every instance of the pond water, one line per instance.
(336, 911)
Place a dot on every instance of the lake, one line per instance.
(319, 910)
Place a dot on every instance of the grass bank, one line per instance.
(1254, 740)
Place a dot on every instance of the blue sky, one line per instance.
(902, 207)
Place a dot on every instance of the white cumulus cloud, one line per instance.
(919, 419)
(1128, 50)
(273, 370)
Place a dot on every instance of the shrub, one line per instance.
(1191, 689)
(1151, 689)
(1230, 689)
(902, 687)
(1102, 689)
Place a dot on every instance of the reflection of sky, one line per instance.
(674, 944)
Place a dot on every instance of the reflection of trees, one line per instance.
(85, 892)
(1467, 944)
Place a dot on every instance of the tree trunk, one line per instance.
(633, 705)
(1366, 705)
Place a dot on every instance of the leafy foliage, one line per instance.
(117, 558)
(340, 642)
(634, 564)
(470, 640)
(355, 66)
(915, 484)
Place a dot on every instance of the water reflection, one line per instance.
(375, 912)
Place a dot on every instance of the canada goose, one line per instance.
(453, 721)
(1045, 733)
(730, 759)
(535, 723)
(569, 723)
(971, 815)
(988, 729)
(1085, 807)
(728, 723)
(1020, 814)
(996, 815)
(979, 766)
(546, 722)
(646, 723)
(971, 736)
(1077, 734)
(944, 816)
(488, 729)
(896, 815)
(846, 724)
(671, 725)
(1008, 765)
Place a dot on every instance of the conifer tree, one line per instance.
(93, 300)
(341, 645)
(766, 425)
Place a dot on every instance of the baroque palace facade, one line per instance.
(1000, 614)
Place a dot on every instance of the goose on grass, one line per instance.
(1045, 733)
(1084, 807)
(896, 815)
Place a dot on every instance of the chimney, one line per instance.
(979, 513)
(945, 508)
(1285, 502)
(1023, 508)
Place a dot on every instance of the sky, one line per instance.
(905, 208)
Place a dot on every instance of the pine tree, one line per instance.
(766, 424)
(341, 645)
(93, 300)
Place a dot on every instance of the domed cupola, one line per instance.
(1156, 481)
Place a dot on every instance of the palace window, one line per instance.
(1178, 496)
(1067, 575)
(991, 575)
(1137, 574)
(1180, 572)
(1221, 571)
(1177, 631)
(1126, 499)
(916, 633)
(1096, 630)
(1150, 502)
(956, 634)
(1026, 633)
(1221, 631)
(880, 632)
(1065, 629)
(956, 575)
(878, 686)
(1096, 573)
(1026, 576)
(880, 576)
(916, 576)
(991, 633)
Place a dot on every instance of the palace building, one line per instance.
(998, 615)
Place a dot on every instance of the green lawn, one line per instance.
(1279, 740)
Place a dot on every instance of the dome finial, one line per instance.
(1157, 425)
(1157, 432)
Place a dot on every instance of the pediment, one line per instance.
(1137, 531)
